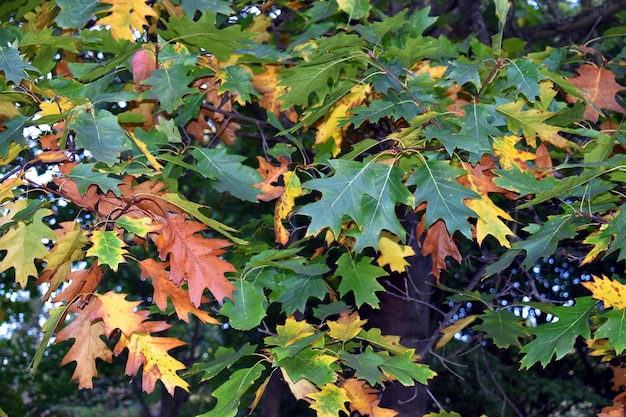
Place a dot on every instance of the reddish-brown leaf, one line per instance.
(440, 245)
(364, 399)
(143, 63)
(599, 87)
(164, 288)
(83, 281)
(194, 258)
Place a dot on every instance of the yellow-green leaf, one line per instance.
(108, 248)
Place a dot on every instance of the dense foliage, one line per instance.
(355, 196)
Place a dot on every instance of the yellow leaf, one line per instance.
(423, 67)
(600, 347)
(346, 327)
(285, 204)
(290, 332)
(151, 353)
(489, 222)
(454, 328)
(126, 16)
(14, 151)
(608, 291)
(393, 253)
(260, 25)
(7, 187)
(330, 126)
(509, 155)
(144, 150)
(118, 313)
(329, 401)
(57, 106)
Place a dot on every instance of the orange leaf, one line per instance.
(164, 288)
(271, 175)
(117, 313)
(364, 399)
(194, 258)
(599, 87)
(266, 83)
(87, 347)
(440, 245)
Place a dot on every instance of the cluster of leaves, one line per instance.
(112, 107)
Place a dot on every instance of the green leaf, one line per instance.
(523, 75)
(461, 72)
(76, 13)
(355, 9)
(228, 172)
(613, 234)
(98, 132)
(502, 10)
(437, 185)
(414, 50)
(13, 66)
(503, 327)
(295, 290)
(377, 110)
(312, 364)
(49, 328)
(204, 34)
(557, 338)
(236, 80)
(365, 364)
(406, 371)
(224, 358)
(23, 246)
(84, 176)
(230, 392)
(247, 307)
(614, 329)
(138, 227)
(443, 413)
(108, 248)
(524, 183)
(289, 351)
(359, 276)
(14, 132)
(343, 194)
(215, 6)
(169, 85)
(563, 187)
(544, 238)
(389, 343)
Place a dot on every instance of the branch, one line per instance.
(586, 19)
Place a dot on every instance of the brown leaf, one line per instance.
(84, 281)
(164, 288)
(440, 245)
(599, 87)
(271, 176)
(193, 258)
(364, 399)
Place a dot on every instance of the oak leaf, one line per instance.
(333, 126)
(608, 291)
(509, 155)
(270, 186)
(83, 281)
(88, 346)
(151, 353)
(108, 248)
(164, 288)
(71, 239)
(392, 252)
(193, 258)
(599, 87)
(531, 121)
(118, 313)
(439, 244)
(266, 83)
(126, 16)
